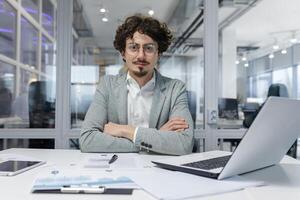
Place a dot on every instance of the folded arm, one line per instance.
(92, 137)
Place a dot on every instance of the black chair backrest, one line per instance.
(278, 90)
(41, 109)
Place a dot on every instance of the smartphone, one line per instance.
(13, 167)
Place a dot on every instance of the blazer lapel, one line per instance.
(121, 98)
(157, 101)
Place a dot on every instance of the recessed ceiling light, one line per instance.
(293, 40)
(271, 56)
(275, 47)
(102, 10)
(246, 64)
(151, 12)
(237, 62)
(283, 51)
(104, 19)
(244, 58)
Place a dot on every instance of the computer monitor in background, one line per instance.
(228, 108)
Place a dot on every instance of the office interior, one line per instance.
(53, 52)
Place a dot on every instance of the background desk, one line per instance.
(283, 180)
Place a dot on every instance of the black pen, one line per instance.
(113, 159)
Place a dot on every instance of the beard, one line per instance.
(141, 72)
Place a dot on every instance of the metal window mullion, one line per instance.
(294, 75)
(37, 25)
(8, 60)
(211, 65)
(47, 35)
(27, 133)
(39, 54)
(73, 133)
(39, 50)
(54, 3)
(31, 20)
(63, 72)
(18, 50)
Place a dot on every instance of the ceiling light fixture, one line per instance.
(271, 56)
(284, 51)
(102, 10)
(246, 65)
(237, 62)
(275, 46)
(151, 12)
(293, 40)
(244, 57)
(104, 19)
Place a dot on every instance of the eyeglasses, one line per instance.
(149, 49)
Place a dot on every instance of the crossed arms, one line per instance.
(102, 132)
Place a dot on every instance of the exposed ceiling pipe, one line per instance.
(188, 32)
(237, 14)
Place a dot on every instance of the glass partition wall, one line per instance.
(27, 72)
(222, 85)
(95, 56)
(257, 52)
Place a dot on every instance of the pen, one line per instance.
(113, 159)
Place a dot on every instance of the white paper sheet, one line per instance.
(124, 161)
(169, 185)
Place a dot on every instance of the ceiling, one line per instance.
(118, 10)
(268, 21)
(258, 25)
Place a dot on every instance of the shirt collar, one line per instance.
(149, 86)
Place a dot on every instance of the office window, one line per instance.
(32, 7)
(48, 55)
(251, 92)
(84, 81)
(20, 113)
(48, 16)
(298, 81)
(262, 85)
(29, 43)
(7, 30)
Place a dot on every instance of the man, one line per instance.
(139, 109)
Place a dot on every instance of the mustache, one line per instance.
(143, 62)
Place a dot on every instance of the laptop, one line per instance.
(267, 140)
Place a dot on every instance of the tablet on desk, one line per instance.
(13, 167)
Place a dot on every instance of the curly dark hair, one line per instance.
(158, 31)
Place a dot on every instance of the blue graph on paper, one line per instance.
(88, 181)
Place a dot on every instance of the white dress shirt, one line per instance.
(139, 102)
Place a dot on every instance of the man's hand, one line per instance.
(118, 130)
(175, 124)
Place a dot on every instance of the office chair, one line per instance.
(5, 101)
(280, 90)
(228, 110)
(250, 111)
(41, 112)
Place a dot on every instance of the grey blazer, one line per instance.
(110, 105)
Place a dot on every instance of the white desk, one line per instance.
(283, 180)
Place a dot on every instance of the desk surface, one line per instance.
(283, 181)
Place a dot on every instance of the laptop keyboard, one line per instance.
(210, 163)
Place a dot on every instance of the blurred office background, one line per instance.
(228, 52)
